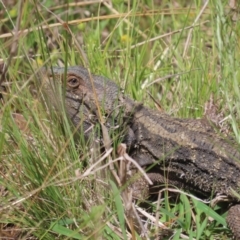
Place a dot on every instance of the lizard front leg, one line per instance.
(233, 220)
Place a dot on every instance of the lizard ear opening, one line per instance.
(73, 81)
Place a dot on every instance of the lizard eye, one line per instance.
(73, 82)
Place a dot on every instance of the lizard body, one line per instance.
(184, 150)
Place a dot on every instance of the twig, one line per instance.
(193, 25)
(162, 36)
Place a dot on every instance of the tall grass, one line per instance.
(43, 192)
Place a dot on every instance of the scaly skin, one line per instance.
(184, 151)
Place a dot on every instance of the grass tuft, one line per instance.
(172, 56)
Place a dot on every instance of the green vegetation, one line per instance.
(44, 193)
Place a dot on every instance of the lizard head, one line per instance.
(82, 91)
